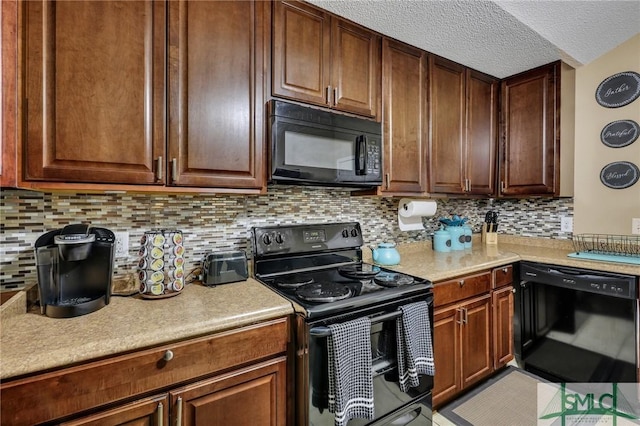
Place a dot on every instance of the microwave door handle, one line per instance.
(361, 155)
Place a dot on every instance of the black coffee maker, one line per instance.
(75, 265)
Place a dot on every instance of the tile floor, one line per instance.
(440, 420)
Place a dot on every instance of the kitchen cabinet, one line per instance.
(324, 60)
(404, 80)
(463, 116)
(529, 157)
(462, 334)
(97, 100)
(242, 367)
(8, 90)
(502, 302)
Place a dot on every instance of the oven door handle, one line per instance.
(326, 331)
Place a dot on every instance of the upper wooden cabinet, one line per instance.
(404, 80)
(96, 98)
(94, 91)
(324, 60)
(463, 116)
(529, 152)
(216, 93)
(8, 89)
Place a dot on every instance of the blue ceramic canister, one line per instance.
(457, 237)
(467, 236)
(442, 240)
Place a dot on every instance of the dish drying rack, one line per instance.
(613, 248)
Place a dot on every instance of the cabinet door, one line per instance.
(254, 396)
(477, 361)
(447, 119)
(216, 98)
(301, 53)
(405, 120)
(446, 352)
(481, 136)
(502, 326)
(355, 68)
(529, 157)
(8, 92)
(94, 94)
(153, 411)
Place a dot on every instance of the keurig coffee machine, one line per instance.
(75, 265)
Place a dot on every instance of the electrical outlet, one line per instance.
(635, 225)
(122, 244)
(566, 224)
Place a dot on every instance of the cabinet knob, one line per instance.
(504, 270)
(461, 282)
(513, 290)
(168, 355)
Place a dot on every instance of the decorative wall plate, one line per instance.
(619, 89)
(620, 133)
(619, 174)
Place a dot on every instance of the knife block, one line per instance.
(489, 238)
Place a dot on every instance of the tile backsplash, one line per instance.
(223, 222)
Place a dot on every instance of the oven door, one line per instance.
(392, 405)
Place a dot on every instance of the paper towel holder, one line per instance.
(410, 215)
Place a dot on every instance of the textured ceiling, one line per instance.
(501, 37)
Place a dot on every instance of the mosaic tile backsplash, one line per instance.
(223, 222)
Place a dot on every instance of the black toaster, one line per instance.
(224, 267)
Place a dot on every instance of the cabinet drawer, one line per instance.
(502, 276)
(461, 288)
(72, 390)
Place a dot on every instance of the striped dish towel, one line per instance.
(415, 348)
(350, 372)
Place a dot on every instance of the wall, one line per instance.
(224, 222)
(599, 209)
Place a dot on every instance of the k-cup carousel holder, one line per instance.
(161, 263)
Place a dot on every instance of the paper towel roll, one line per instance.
(411, 212)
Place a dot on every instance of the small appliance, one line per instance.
(315, 147)
(75, 266)
(224, 267)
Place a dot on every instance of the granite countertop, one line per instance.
(31, 342)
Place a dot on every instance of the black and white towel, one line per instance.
(415, 348)
(350, 372)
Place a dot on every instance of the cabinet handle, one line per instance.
(328, 97)
(179, 411)
(159, 414)
(466, 315)
(502, 186)
(387, 180)
(461, 282)
(174, 170)
(335, 96)
(168, 355)
(468, 185)
(459, 311)
(159, 168)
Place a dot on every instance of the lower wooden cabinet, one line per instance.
(472, 331)
(245, 397)
(236, 377)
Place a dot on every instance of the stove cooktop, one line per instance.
(327, 291)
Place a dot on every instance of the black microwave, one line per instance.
(315, 147)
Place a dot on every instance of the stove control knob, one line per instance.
(266, 239)
(354, 232)
(345, 233)
(279, 239)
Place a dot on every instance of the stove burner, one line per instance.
(293, 281)
(323, 292)
(392, 279)
(361, 271)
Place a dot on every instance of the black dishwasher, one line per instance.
(577, 325)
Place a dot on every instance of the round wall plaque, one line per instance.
(619, 89)
(619, 174)
(620, 133)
